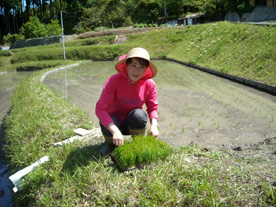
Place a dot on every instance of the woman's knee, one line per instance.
(138, 119)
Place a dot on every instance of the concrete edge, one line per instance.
(253, 84)
(56, 69)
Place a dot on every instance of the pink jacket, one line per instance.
(119, 97)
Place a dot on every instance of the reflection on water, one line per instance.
(8, 82)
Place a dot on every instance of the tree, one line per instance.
(88, 14)
(34, 29)
(54, 28)
(174, 7)
(114, 14)
(237, 5)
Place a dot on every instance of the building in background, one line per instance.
(269, 3)
(265, 10)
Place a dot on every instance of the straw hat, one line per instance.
(138, 52)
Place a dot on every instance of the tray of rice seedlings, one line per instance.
(139, 152)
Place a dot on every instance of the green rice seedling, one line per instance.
(141, 151)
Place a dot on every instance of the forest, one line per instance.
(86, 15)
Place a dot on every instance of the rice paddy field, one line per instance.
(193, 106)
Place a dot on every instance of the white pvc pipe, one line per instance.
(16, 177)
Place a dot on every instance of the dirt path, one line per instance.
(194, 106)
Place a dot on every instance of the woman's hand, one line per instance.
(154, 131)
(118, 138)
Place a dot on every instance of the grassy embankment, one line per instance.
(191, 176)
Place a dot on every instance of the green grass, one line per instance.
(191, 176)
(242, 50)
(37, 120)
(38, 65)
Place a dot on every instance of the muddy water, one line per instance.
(8, 81)
(193, 106)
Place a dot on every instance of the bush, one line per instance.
(54, 28)
(128, 22)
(147, 25)
(141, 151)
(10, 38)
(141, 25)
(5, 53)
(34, 29)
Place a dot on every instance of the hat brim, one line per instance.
(151, 64)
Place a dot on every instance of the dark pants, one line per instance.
(137, 119)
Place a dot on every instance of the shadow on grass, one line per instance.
(82, 157)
